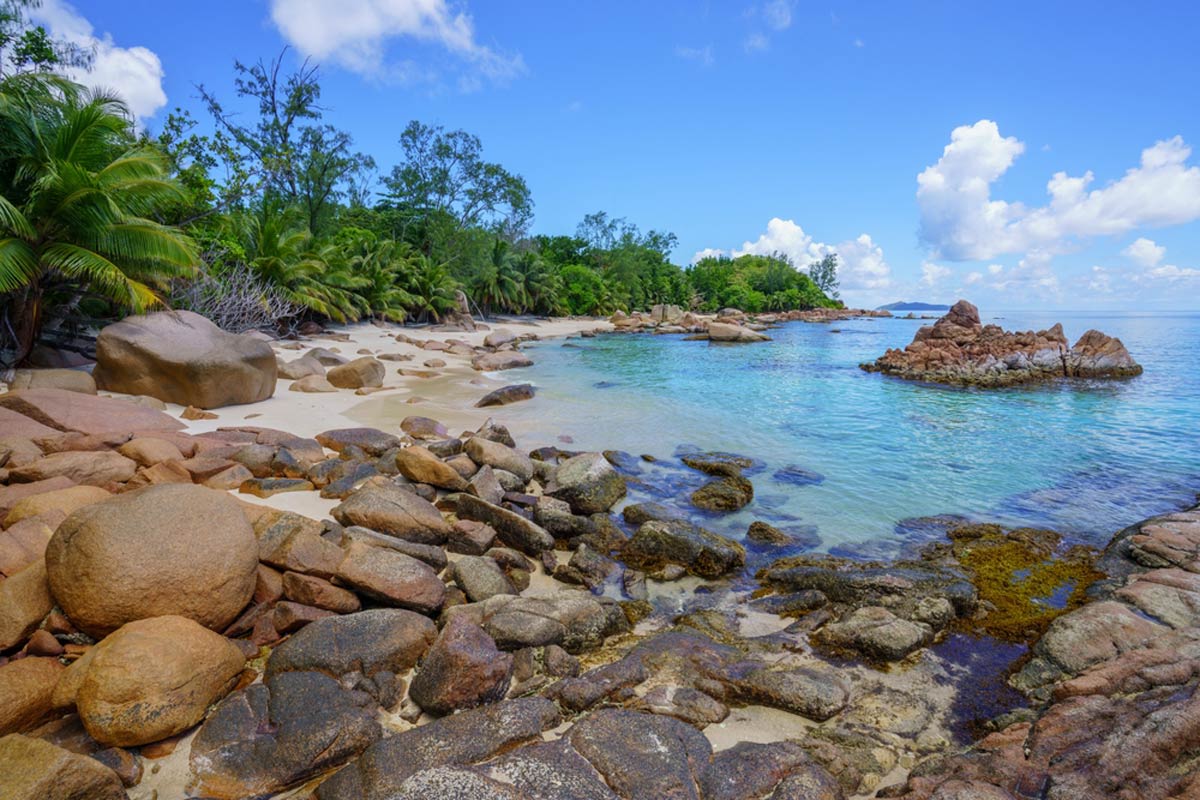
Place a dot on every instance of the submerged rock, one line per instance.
(702, 552)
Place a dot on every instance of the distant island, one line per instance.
(906, 306)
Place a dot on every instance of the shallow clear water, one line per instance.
(1082, 458)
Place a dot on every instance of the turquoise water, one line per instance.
(1084, 459)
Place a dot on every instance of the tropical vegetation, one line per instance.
(264, 215)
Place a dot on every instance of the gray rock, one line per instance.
(271, 736)
(499, 456)
(877, 633)
(512, 528)
(702, 552)
(366, 642)
(481, 578)
(588, 483)
(390, 509)
(468, 737)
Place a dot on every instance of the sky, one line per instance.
(1019, 154)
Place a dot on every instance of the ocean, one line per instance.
(1082, 458)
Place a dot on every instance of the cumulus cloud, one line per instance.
(933, 274)
(961, 221)
(355, 34)
(1148, 255)
(135, 73)
(1145, 252)
(861, 261)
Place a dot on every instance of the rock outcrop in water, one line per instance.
(958, 349)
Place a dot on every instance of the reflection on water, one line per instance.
(1085, 459)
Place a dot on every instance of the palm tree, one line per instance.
(77, 194)
(382, 267)
(431, 288)
(282, 251)
(498, 284)
(541, 288)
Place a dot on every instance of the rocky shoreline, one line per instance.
(473, 619)
(959, 349)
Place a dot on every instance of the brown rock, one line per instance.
(172, 549)
(506, 395)
(71, 411)
(423, 428)
(195, 413)
(181, 357)
(390, 509)
(27, 692)
(25, 543)
(37, 770)
(19, 426)
(313, 591)
(24, 603)
(163, 472)
(148, 451)
(958, 349)
(366, 371)
(421, 466)
(154, 678)
(64, 501)
(392, 577)
(312, 384)
(505, 359)
(11, 495)
(463, 669)
(288, 617)
(231, 477)
(71, 380)
(90, 468)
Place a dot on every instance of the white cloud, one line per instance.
(355, 34)
(756, 42)
(973, 278)
(1145, 252)
(704, 54)
(961, 221)
(135, 73)
(861, 262)
(862, 265)
(933, 274)
(1148, 255)
(1030, 279)
(778, 14)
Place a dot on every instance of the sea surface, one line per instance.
(1083, 458)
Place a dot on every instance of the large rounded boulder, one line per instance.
(181, 357)
(170, 549)
(154, 678)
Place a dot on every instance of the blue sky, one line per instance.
(919, 141)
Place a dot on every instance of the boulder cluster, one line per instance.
(959, 349)
(728, 325)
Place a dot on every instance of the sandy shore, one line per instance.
(449, 396)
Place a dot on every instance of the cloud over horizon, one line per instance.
(960, 221)
(862, 266)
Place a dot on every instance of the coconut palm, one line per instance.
(498, 285)
(381, 268)
(431, 288)
(77, 197)
(282, 251)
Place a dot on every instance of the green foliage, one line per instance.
(278, 209)
(78, 196)
(755, 283)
